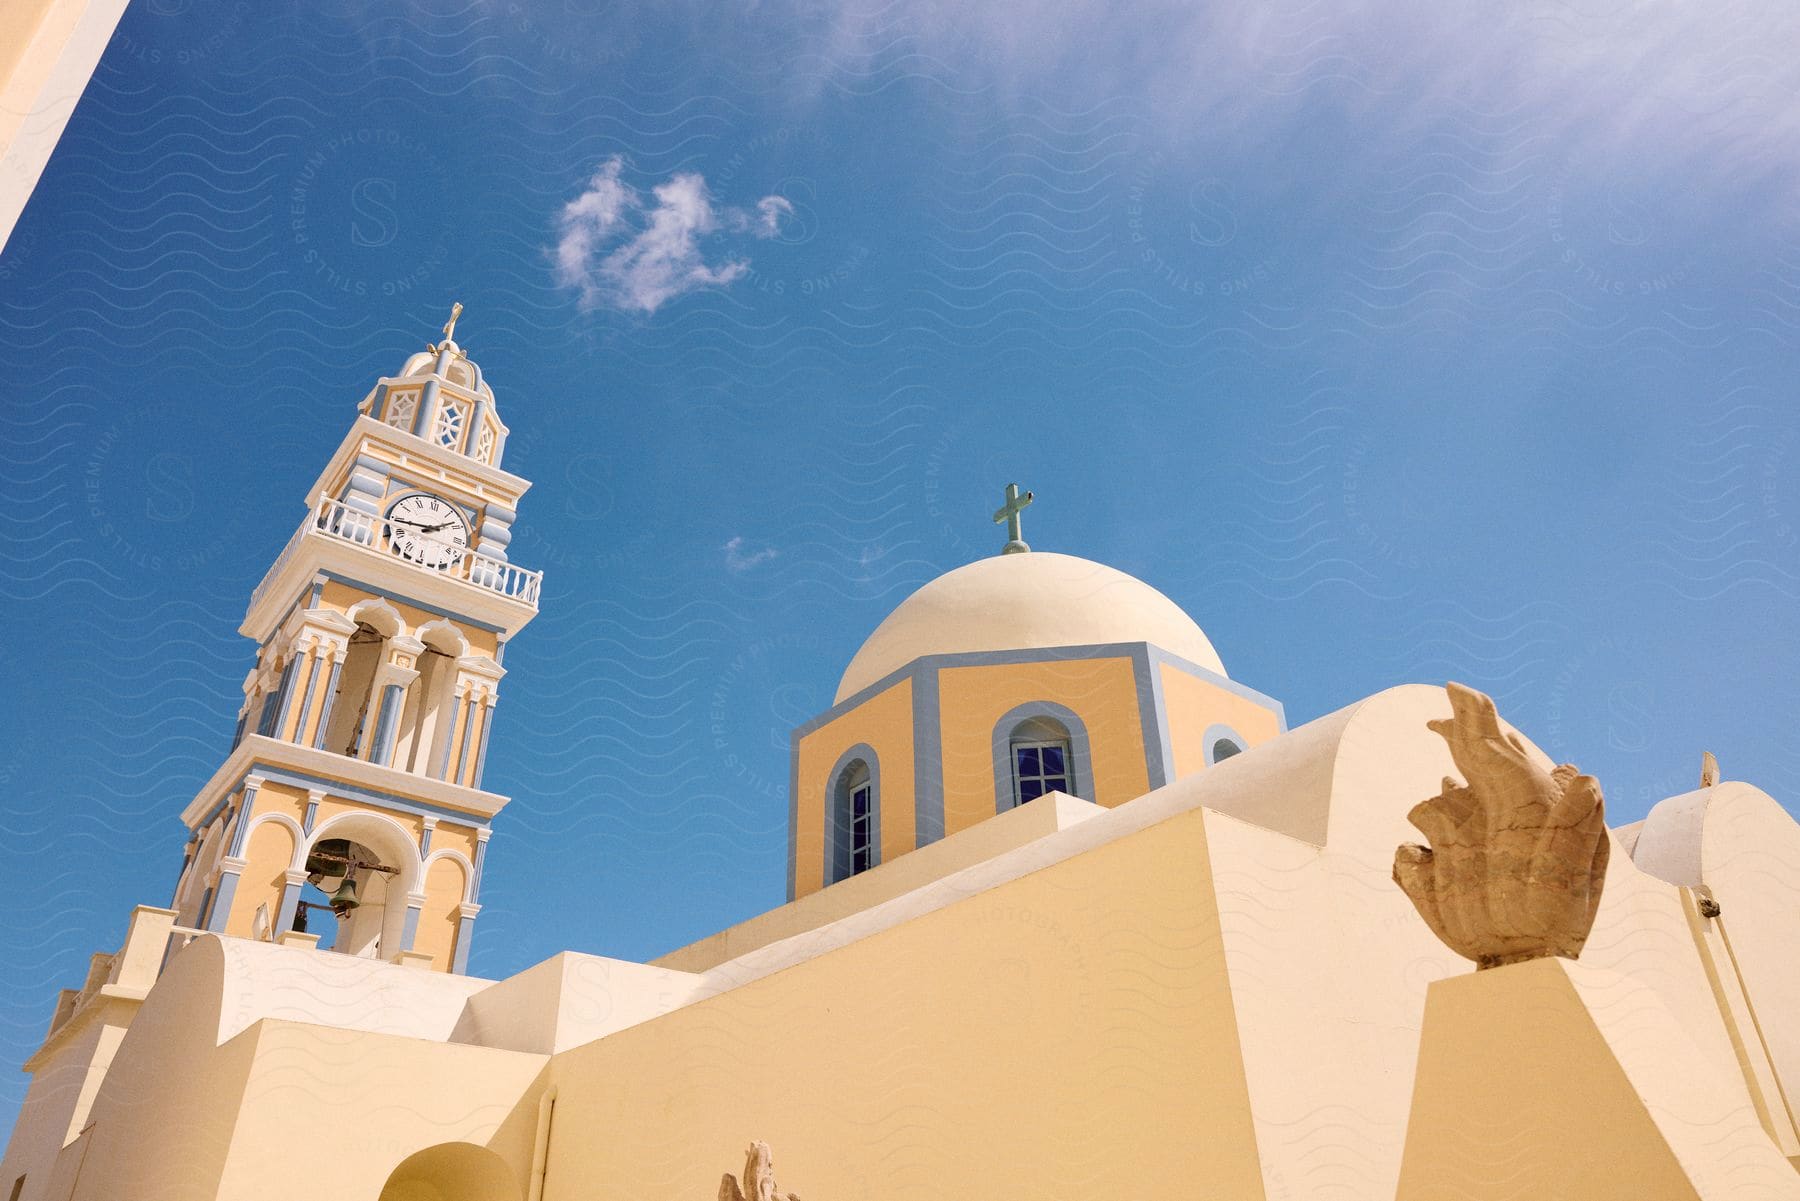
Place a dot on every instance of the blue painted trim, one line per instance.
(1080, 751)
(330, 701)
(928, 761)
(312, 815)
(410, 930)
(480, 866)
(496, 509)
(837, 803)
(290, 907)
(265, 716)
(241, 831)
(354, 792)
(426, 830)
(289, 676)
(468, 733)
(394, 597)
(487, 728)
(315, 663)
(1159, 655)
(221, 902)
(465, 938)
(471, 434)
(1153, 718)
(440, 767)
(382, 749)
(1214, 733)
(426, 417)
(500, 651)
(1049, 654)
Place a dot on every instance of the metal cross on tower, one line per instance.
(450, 325)
(1009, 513)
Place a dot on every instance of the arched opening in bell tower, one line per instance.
(352, 707)
(426, 720)
(361, 868)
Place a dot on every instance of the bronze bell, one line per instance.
(344, 899)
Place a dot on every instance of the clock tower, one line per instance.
(351, 808)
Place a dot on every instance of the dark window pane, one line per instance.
(1053, 761)
(1028, 760)
(1224, 748)
(1030, 790)
(1056, 784)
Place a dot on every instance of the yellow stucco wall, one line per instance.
(884, 722)
(266, 859)
(1590, 1088)
(1194, 704)
(440, 915)
(1073, 1025)
(1103, 692)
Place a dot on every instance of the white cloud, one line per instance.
(622, 252)
(738, 556)
(1703, 93)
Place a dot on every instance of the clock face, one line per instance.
(427, 530)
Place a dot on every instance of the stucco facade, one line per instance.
(1070, 911)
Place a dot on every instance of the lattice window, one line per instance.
(484, 444)
(854, 848)
(450, 419)
(402, 409)
(1040, 767)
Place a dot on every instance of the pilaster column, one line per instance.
(323, 636)
(292, 883)
(481, 843)
(415, 902)
(392, 679)
(428, 409)
(488, 701)
(241, 830)
(465, 936)
(496, 530)
(312, 811)
(296, 675)
(230, 868)
(329, 702)
(430, 824)
(477, 689)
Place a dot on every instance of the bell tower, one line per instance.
(351, 805)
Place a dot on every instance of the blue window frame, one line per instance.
(1041, 766)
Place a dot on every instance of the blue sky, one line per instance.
(1391, 347)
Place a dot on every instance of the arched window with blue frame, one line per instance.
(853, 842)
(1040, 748)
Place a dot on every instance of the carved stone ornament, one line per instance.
(759, 1179)
(1518, 854)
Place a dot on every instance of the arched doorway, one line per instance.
(452, 1172)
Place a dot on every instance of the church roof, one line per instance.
(1023, 602)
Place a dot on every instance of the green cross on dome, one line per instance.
(1009, 513)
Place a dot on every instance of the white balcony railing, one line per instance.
(337, 520)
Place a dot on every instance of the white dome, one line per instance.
(1022, 602)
